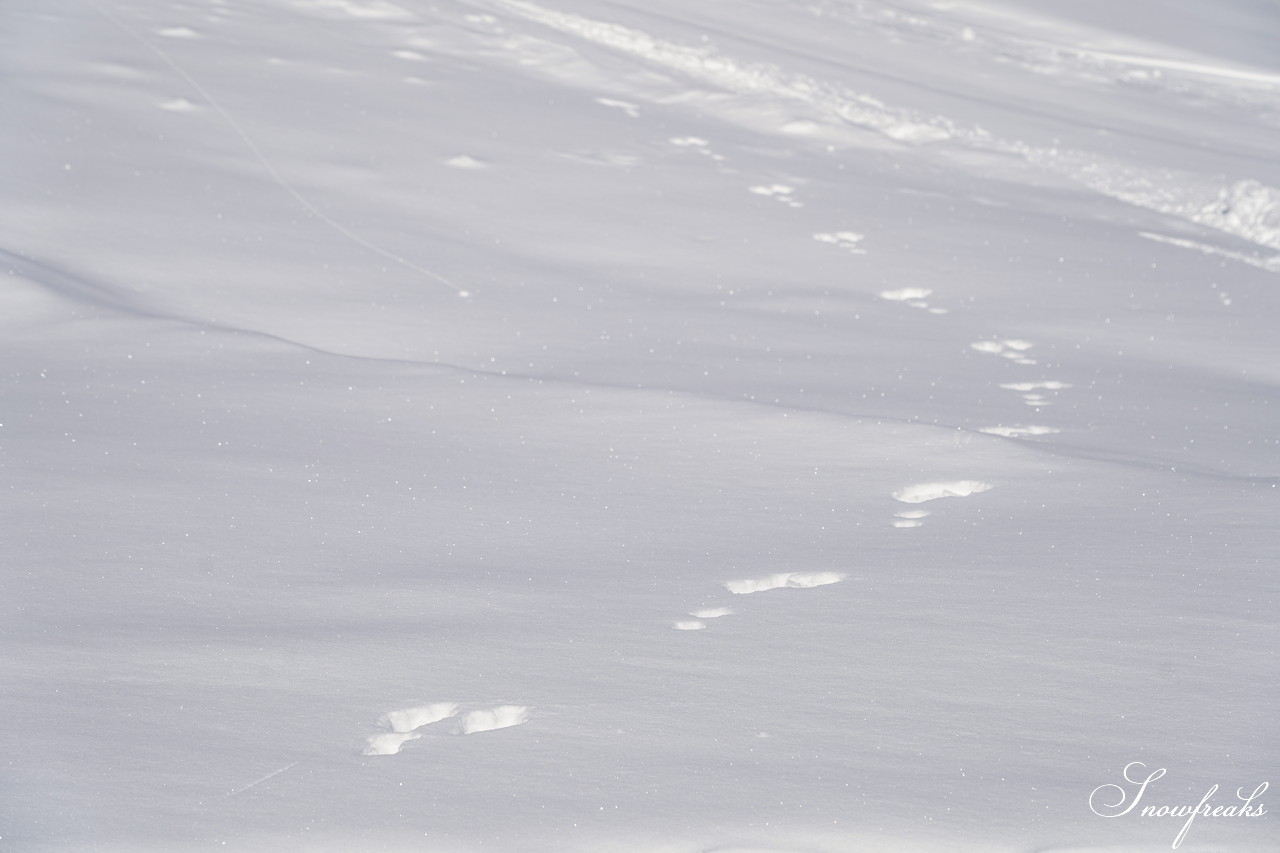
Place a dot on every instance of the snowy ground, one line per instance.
(656, 427)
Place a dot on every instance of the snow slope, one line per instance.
(559, 426)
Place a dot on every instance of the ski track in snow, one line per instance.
(1244, 208)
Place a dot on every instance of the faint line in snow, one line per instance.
(1271, 264)
(266, 163)
(256, 782)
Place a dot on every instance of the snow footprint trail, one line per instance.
(1016, 350)
(404, 724)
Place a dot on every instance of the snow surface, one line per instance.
(400, 398)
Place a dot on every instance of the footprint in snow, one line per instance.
(747, 586)
(178, 33)
(783, 580)
(404, 724)
(178, 105)
(914, 297)
(909, 518)
(1013, 349)
(409, 55)
(698, 144)
(1030, 391)
(924, 492)
(780, 192)
(466, 161)
(630, 109)
(847, 240)
(697, 623)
